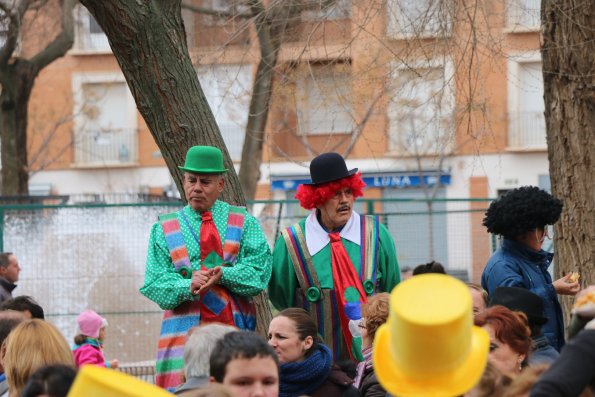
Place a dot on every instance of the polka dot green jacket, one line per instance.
(248, 277)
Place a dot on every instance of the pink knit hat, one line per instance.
(90, 323)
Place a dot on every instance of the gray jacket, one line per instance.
(192, 383)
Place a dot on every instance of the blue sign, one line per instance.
(381, 180)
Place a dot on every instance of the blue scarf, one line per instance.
(303, 377)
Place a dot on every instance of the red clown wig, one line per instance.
(313, 196)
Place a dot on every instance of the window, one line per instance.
(419, 18)
(526, 122)
(229, 8)
(228, 89)
(523, 15)
(89, 37)
(324, 100)
(334, 10)
(412, 226)
(421, 111)
(105, 121)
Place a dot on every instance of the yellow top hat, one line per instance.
(429, 346)
(95, 381)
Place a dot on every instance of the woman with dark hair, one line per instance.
(430, 267)
(306, 363)
(510, 338)
(521, 217)
(51, 381)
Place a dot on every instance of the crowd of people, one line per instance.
(348, 321)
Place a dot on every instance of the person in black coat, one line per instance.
(574, 370)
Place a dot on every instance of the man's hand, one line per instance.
(565, 286)
(199, 278)
(114, 363)
(206, 279)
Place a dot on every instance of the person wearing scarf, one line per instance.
(88, 343)
(306, 365)
(375, 313)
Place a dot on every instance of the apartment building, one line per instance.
(424, 97)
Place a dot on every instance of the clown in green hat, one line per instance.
(204, 263)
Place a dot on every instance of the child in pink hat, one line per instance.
(88, 344)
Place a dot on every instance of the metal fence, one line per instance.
(82, 256)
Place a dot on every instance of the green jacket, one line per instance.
(248, 277)
(284, 281)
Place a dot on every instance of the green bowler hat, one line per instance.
(204, 160)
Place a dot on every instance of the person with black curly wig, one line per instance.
(521, 217)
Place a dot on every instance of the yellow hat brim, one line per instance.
(95, 381)
(452, 383)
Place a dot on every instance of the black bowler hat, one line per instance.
(522, 300)
(328, 167)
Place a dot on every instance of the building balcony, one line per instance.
(88, 38)
(523, 15)
(92, 43)
(423, 19)
(526, 131)
(106, 148)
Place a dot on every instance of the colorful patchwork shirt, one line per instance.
(248, 277)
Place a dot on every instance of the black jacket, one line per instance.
(338, 384)
(572, 372)
(6, 288)
(370, 387)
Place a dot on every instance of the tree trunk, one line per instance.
(149, 42)
(569, 91)
(262, 90)
(17, 76)
(17, 82)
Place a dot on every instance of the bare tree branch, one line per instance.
(287, 157)
(14, 10)
(357, 131)
(39, 157)
(63, 42)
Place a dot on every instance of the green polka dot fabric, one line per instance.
(248, 276)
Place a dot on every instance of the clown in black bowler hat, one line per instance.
(332, 260)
